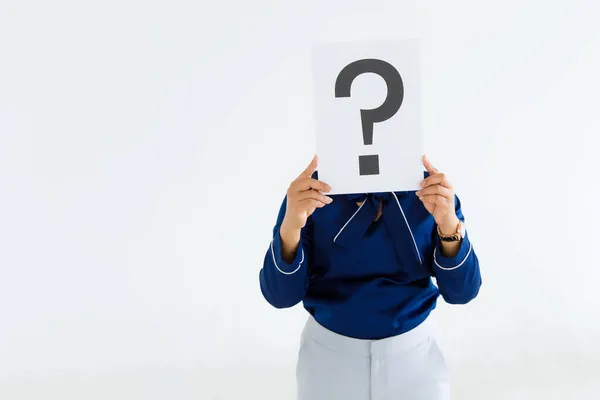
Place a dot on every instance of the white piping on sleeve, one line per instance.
(347, 222)
(451, 268)
(277, 266)
(410, 230)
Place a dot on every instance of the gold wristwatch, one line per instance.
(455, 237)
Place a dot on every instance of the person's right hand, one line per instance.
(304, 197)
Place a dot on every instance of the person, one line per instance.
(362, 264)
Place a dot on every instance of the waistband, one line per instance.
(363, 347)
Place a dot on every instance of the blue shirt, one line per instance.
(369, 279)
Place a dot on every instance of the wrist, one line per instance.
(290, 236)
(449, 226)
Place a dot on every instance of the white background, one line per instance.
(145, 148)
(398, 141)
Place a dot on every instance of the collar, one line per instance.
(393, 218)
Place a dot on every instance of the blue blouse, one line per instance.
(369, 279)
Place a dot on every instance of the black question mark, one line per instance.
(369, 165)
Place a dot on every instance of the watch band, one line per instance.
(455, 237)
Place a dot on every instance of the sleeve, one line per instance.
(284, 284)
(458, 278)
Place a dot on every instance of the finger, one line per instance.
(437, 179)
(311, 204)
(312, 167)
(313, 194)
(429, 166)
(435, 199)
(436, 189)
(310, 183)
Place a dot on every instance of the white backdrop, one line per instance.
(145, 148)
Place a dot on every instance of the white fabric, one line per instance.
(410, 366)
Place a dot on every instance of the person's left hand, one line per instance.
(437, 196)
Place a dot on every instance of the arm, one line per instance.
(284, 275)
(456, 267)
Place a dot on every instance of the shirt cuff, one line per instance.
(450, 263)
(280, 264)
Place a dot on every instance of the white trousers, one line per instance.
(410, 366)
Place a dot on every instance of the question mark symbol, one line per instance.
(369, 165)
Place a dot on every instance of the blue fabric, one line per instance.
(369, 279)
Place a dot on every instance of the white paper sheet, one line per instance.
(396, 141)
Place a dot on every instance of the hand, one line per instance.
(304, 197)
(437, 196)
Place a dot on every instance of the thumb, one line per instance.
(312, 167)
(429, 166)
